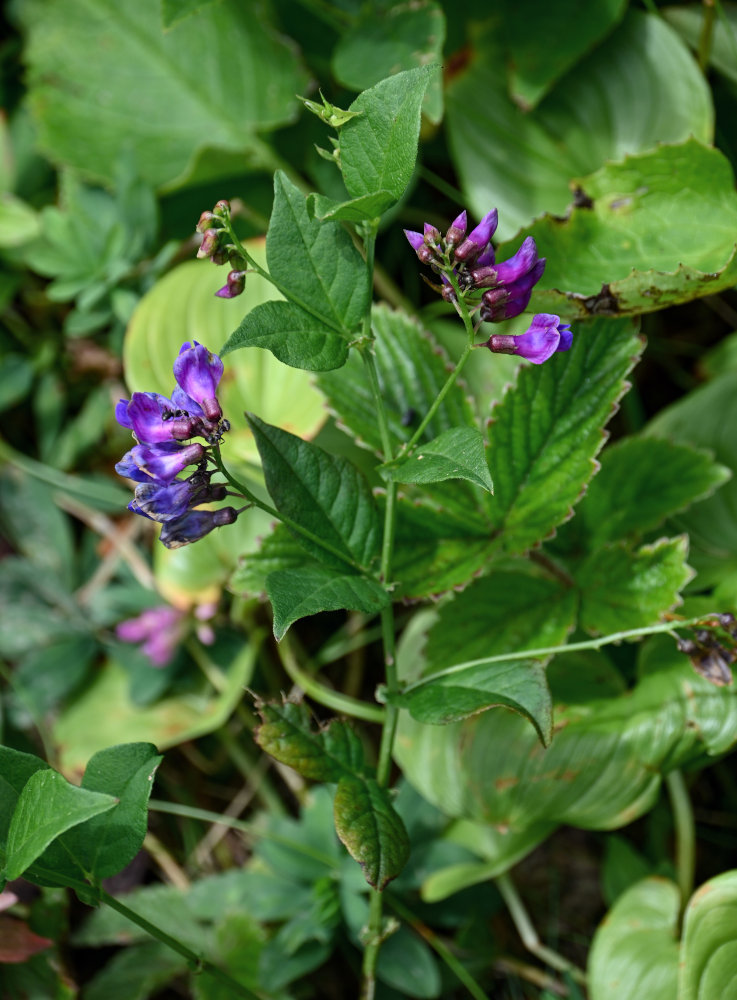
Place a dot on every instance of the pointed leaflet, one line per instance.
(634, 953)
(15, 770)
(378, 148)
(307, 590)
(326, 495)
(315, 263)
(47, 807)
(365, 818)
(293, 335)
(548, 428)
(366, 208)
(454, 454)
(621, 589)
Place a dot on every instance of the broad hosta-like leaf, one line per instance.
(324, 494)
(640, 87)
(651, 231)
(621, 589)
(641, 482)
(316, 264)
(182, 307)
(292, 335)
(609, 748)
(709, 948)
(165, 94)
(297, 593)
(475, 687)
(706, 418)
(412, 369)
(402, 36)
(634, 953)
(371, 829)
(378, 148)
(535, 64)
(454, 454)
(287, 734)
(46, 808)
(503, 612)
(548, 429)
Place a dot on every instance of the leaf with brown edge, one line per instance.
(371, 829)
(326, 754)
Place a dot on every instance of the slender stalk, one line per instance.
(683, 820)
(707, 34)
(244, 491)
(324, 695)
(196, 961)
(571, 647)
(528, 934)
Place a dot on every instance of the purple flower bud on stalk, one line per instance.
(477, 240)
(222, 208)
(159, 630)
(432, 235)
(545, 336)
(198, 372)
(508, 300)
(195, 525)
(205, 221)
(152, 419)
(456, 230)
(209, 243)
(234, 285)
(166, 460)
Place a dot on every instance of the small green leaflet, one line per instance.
(455, 454)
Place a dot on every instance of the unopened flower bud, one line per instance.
(209, 244)
(456, 230)
(222, 208)
(205, 221)
(478, 239)
(234, 285)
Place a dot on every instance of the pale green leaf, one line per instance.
(292, 335)
(454, 454)
(709, 949)
(634, 953)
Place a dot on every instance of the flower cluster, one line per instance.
(218, 247)
(159, 631)
(506, 287)
(164, 429)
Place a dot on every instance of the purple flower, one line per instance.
(162, 502)
(456, 230)
(235, 284)
(417, 242)
(198, 372)
(545, 336)
(153, 418)
(195, 524)
(159, 630)
(166, 460)
(478, 239)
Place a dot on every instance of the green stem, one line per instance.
(244, 491)
(196, 961)
(707, 34)
(683, 821)
(571, 647)
(323, 695)
(528, 934)
(439, 946)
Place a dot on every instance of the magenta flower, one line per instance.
(158, 630)
(198, 372)
(479, 238)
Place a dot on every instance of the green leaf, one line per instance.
(411, 369)
(136, 972)
(315, 263)
(47, 807)
(15, 770)
(635, 952)
(323, 493)
(688, 22)
(286, 734)
(371, 829)
(105, 844)
(547, 430)
(467, 689)
(705, 418)
(367, 207)
(19, 223)
(173, 11)
(588, 119)
(641, 482)
(454, 454)
(378, 148)
(513, 609)
(182, 306)
(292, 335)
(297, 593)
(623, 866)
(407, 963)
(621, 589)
(535, 64)
(402, 36)
(641, 240)
(709, 949)
(167, 95)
